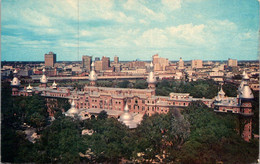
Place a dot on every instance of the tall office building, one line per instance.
(196, 64)
(86, 62)
(98, 65)
(50, 59)
(116, 59)
(160, 63)
(232, 62)
(181, 64)
(105, 63)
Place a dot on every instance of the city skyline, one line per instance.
(207, 30)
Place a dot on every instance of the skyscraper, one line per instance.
(181, 64)
(196, 64)
(50, 59)
(232, 62)
(160, 63)
(116, 59)
(86, 62)
(105, 63)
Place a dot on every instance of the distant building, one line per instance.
(105, 63)
(135, 64)
(50, 59)
(97, 59)
(232, 62)
(98, 65)
(116, 59)
(160, 63)
(86, 62)
(181, 64)
(196, 64)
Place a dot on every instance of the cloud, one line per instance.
(173, 36)
(137, 6)
(188, 32)
(152, 38)
(172, 4)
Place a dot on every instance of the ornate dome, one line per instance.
(15, 82)
(245, 77)
(92, 75)
(246, 92)
(44, 79)
(72, 111)
(29, 88)
(241, 86)
(221, 92)
(151, 78)
(54, 85)
(126, 116)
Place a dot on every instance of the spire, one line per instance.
(29, 88)
(243, 74)
(54, 85)
(151, 65)
(246, 77)
(72, 112)
(44, 79)
(126, 116)
(151, 79)
(15, 82)
(92, 75)
(245, 92)
(221, 93)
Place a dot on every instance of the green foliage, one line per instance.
(161, 134)
(123, 84)
(197, 89)
(104, 83)
(214, 138)
(230, 90)
(140, 84)
(61, 142)
(111, 141)
(102, 115)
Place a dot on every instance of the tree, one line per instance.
(110, 142)
(61, 142)
(214, 137)
(123, 84)
(102, 115)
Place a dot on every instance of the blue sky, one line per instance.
(130, 29)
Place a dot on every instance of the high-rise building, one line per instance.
(116, 59)
(160, 63)
(86, 62)
(105, 63)
(98, 65)
(232, 62)
(50, 59)
(181, 64)
(196, 64)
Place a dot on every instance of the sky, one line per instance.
(130, 29)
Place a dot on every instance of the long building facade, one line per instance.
(139, 101)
